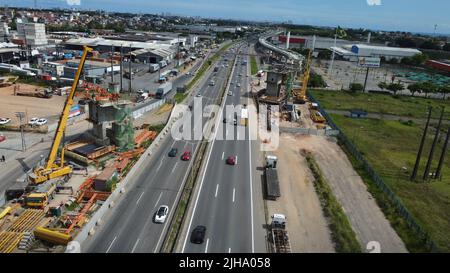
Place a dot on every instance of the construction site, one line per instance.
(46, 211)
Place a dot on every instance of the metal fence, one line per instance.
(351, 147)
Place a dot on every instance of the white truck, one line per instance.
(153, 68)
(280, 238)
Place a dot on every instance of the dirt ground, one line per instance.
(34, 107)
(366, 218)
(306, 224)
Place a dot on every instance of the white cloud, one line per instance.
(374, 2)
(73, 2)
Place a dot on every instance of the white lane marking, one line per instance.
(236, 159)
(229, 250)
(203, 179)
(223, 154)
(109, 248)
(140, 196)
(135, 245)
(174, 167)
(173, 144)
(237, 135)
(234, 193)
(160, 164)
(251, 193)
(206, 247)
(217, 189)
(157, 201)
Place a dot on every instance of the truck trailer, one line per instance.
(163, 90)
(271, 178)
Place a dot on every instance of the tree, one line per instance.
(445, 90)
(356, 87)
(395, 87)
(382, 85)
(429, 87)
(446, 47)
(415, 87)
(316, 80)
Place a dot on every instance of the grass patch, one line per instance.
(157, 128)
(253, 65)
(391, 147)
(342, 233)
(380, 103)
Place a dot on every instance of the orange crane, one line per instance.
(300, 95)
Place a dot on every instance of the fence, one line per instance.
(412, 223)
(309, 131)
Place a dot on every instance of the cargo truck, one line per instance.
(279, 235)
(271, 177)
(153, 68)
(163, 90)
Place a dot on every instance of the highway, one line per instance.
(129, 227)
(229, 201)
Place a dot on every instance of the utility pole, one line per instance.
(365, 81)
(441, 160)
(430, 157)
(330, 69)
(112, 64)
(21, 115)
(121, 68)
(129, 69)
(422, 142)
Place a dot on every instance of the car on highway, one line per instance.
(230, 93)
(33, 121)
(238, 85)
(235, 121)
(186, 156)
(4, 121)
(41, 121)
(224, 120)
(173, 152)
(232, 160)
(198, 95)
(2, 138)
(161, 214)
(212, 83)
(198, 235)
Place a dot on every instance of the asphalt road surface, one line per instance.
(226, 202)
(129, 227)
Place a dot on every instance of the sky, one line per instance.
(404, 15)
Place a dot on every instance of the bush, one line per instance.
(356, 87)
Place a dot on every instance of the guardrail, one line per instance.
(379, 182)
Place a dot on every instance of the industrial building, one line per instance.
(363, 50)
(443, 66)
(33, 34)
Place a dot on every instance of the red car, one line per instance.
(186, 156)
(231, 160)
(2, 138)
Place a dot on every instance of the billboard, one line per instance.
(369, 62)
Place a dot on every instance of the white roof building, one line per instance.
(363, 50)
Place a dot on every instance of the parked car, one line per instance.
(186, 156)
(4, 121)
(161, 214)
(198, 235)
(41, 121)
(33, 121)
(232, 160)
(173, 152)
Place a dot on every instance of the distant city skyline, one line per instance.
(399, 15)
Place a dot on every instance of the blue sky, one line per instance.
(409, 15)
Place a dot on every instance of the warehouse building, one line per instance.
(388, 53)
(33, 34)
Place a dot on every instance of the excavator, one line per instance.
(51, 169)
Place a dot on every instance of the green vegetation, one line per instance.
(379, 103)
(356, 87)
(316, 81)
(341, 231)
(253, 65)
(391, 148)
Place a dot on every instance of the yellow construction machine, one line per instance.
(52, 170)
(300, 94)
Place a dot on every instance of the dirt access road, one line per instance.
(307, 227)
(366, 218)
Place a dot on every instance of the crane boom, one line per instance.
(51, 170)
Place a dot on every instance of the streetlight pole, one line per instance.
(21, 115)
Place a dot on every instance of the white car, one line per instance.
(4, 121)
(238, 85)
(41, 121)
(33, 121)
(230, 93)
(161, 214)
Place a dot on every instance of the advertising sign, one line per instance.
(370, 62)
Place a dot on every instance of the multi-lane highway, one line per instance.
(129, 227)
(229, 199)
